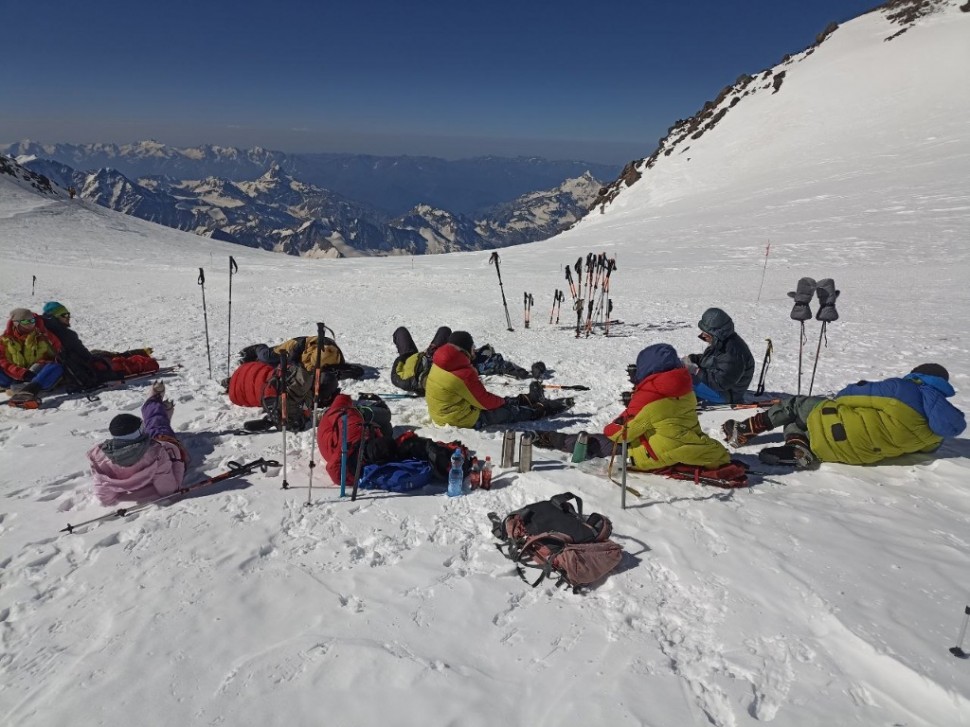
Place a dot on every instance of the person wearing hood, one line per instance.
(864, 423)
(723, 372)
(28, 354)
(143, 459)
(456, 396)
(411, 367)
(660, 423)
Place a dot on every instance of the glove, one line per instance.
(36, 367)
(158, 388)
(169, 408)
(28, 375)
(691, 367)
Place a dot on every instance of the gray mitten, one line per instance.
(803, 294)
(827, 295)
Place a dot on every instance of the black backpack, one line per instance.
(553, 535)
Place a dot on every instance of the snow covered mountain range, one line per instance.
(281, 213)
(811, 599)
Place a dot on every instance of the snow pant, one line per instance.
(706, 393)
(46, 378)
(792, 413)
(505, 414)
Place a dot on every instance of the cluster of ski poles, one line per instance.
(590, 292)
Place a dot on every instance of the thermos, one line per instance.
(508, 449)
(579, 449)
(525, 452)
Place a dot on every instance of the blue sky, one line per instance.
(567, 80)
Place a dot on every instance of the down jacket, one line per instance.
(454, 392)
(662, 427)
(151, 466)
(868, 422)
(727, 364)
(247, 383)
(18, 353)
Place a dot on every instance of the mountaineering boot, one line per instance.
(827, 295)
(538, 370)
(536, 393)
(794, 453)
(548, 440)
(516, 372)
(803, 294)
(553, 407)
(738, 433)
(26, 397)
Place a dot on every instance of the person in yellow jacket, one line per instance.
(28, 356)
(865, 423)
(660, 423)
(456, 396)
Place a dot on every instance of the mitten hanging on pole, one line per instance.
(827, 295)
(801, 312)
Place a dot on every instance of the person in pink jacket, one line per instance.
(143, 459)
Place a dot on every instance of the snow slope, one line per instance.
(819, 598)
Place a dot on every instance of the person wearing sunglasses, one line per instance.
(28, 353)
(723, 372)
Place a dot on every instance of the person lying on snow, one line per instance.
(143, 459)
(411, 367)
(28, 354)
(456, 396)
(660, 423)
(865, 423)
(84, 369)
(302, 350)
(723, 372)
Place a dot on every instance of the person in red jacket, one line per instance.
(457, 397)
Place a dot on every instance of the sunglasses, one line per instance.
(26, 321)
(64, 315)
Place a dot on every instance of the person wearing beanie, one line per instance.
(411, 367)
(28, 354)
(723, 372)
(142, 459)
(456, 396)
(864, 423)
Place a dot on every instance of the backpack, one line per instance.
(299, 397)
(370, 437)
(402, 476)
(553, 535)
(437, 454)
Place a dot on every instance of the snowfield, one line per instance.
(816, 598)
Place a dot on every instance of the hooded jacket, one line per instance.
(727, 364)
(19, 352)
(145, 468)
(662, 425)
(869, 422)
(453, 390)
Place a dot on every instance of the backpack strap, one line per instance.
(519, 553)
(562, 502)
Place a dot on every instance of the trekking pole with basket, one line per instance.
(316, 399)
(282, 397)
(494, 260)
(233, 268)
(765, 363)
(801, 312)
(827, 295)
(205, 318)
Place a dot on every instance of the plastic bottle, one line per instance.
(455, 475)
(487, 474)
(475, 476)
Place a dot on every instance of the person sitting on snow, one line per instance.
(456, 396)
(28, 354)
(410, 369)
(660, 423)
(865, 423)
(723, 372)
(143, 459)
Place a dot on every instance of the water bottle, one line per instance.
(475, 476)
(579, 449)
(487, 474)
(455, 475)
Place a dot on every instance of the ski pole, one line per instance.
(525, 309)
(343, 457)
(205, 317)
(365, 431)
(957, 650)
(572, 285)
(33, 284)
(570, 387)
(763, 271)
(818, 350)
(555, 299)
(494, 260)
(624, 452)
(765, 362)
(235, 470)
(233, 268)
(282, 395)
(316, 400)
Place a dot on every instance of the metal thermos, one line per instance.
(508, 449)
(579, 449)
(525, 452)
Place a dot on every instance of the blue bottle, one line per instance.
(455, 475)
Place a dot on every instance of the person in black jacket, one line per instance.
(724, 371)
(82, 369)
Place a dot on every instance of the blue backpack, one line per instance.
(403, 476)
